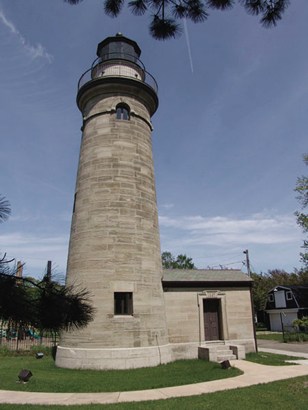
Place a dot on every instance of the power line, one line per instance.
(225, 264)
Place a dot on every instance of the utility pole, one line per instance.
(247, 262)
(48, 270)
(251, 299)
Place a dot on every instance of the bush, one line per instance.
(295, 337)
(301, 324)
(5, 352)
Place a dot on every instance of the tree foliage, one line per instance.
(180, 262)
(45, 304)
(60, 307)
(16, 302)
(5, 209)
(166, 14)
(302, 216)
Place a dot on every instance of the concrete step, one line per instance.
(222, 351)
(221, 358)
(217, 352)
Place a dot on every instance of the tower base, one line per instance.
(113, 358)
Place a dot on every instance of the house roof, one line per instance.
(300, 293)
(197, 277)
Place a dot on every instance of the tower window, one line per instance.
(122, 112)
(123, 303)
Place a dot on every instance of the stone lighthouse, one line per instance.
(114, 249)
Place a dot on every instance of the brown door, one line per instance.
(211, 319)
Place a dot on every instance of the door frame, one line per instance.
(223, 322)
(212, 319)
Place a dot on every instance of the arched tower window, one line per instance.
(122, 112)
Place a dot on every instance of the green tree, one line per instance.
(183, 262)
(180, 262)
(61, 307)
(45, 305)
(5, 211)
(167, 260)
(16, 302)
(259, 291)
(166, 14)
(264, 282)
(302, 216)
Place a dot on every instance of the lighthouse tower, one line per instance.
(114, 249)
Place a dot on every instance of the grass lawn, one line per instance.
(49, 378)
(289, 337)
(270, 359)
(270, 336)
(285, 394)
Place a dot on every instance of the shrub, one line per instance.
(301, 324)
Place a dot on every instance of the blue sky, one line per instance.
(228, 137)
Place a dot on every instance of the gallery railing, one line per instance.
(118, 65)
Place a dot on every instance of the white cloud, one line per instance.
(35, 251)
(256, 229)
(34, 51)
(273, 240)
(25, 216)
(167, 206)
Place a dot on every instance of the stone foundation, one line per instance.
(131, 358)
(106, 359)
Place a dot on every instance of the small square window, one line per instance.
(123, 303)
(289, 295)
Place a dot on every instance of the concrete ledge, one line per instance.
(220, 351)
(238, 351)
(103, 359)
(182, 351)
(248, 344)
(129, 358)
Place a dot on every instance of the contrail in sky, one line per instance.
(188, 46)
(33, 51)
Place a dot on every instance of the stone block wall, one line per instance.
(184, 311)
